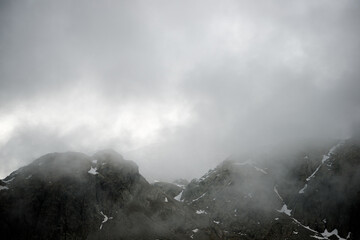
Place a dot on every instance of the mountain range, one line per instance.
(312, 193)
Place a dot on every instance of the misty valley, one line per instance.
(312, 193)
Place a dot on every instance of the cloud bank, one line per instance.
(175, 85)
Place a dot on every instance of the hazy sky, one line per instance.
(176, 86)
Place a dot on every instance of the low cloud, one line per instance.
(176, 86)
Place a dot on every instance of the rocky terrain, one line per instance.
(309, 194)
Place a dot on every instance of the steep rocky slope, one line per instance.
(73, 196)
(311, 194)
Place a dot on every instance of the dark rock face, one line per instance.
(172, 190)
(73, 196)
(269, 200)
(331, 198)
(240, 200)
(314, 194)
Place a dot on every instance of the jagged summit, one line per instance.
(108, 154)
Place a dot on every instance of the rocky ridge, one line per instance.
(74, 196)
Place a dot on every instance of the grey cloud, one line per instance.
(242, 74)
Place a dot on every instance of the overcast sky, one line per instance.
(176, 86)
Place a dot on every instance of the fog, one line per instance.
(176, 86)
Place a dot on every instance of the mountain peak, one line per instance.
(109, 154)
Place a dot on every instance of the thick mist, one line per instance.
(175, 86)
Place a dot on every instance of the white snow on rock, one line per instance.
(285, 210)
(249, 162)
(260, 170)
(243, 163)
(325, 235)
(198, 197)
(307, 227)
(216, 222)
(3, 188)
(106, 218)
(201, 212)
(178, 197)
(7, 181)
(195, 230)
(333, 232)
(93, 171)
(324, 159)
(313, 174)
(276, 219)
(277, 193)
(94, 161)
(180, 185)
(317, 237)
(166, 200)
(303, 189)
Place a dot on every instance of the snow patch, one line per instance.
(313, 174)
(106, 218)
(303, 189)
(317, 237)
(198, 197)
(180, 185)
(28, 177)
(178, 197)
(216, 222)
(94, 161)
(324, 159)
(3, 188)
(243, 163)
(7, 181)
(195, 230)
(201, 212)
(93, 171)
(285, 210)
(333, 232)
(307, 227)
(249, 162)
(260, 170)
(277, 193)
(166, 200)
